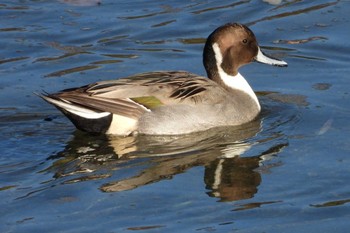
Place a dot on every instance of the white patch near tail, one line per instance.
(77, 110)
(122, 125)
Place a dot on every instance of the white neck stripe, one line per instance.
(235, 82)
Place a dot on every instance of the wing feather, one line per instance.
(135, 95)
(169, 87)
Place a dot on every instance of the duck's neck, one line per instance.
(215, 72)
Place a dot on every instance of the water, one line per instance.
(285, 172)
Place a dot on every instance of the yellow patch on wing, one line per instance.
(149, 102)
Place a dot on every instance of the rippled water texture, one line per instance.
(288, 171)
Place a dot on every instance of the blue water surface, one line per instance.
(285, 172)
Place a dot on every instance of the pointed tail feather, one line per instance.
(84, 119)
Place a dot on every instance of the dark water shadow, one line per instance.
(215, 8)
(296, 12)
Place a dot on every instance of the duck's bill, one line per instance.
(263, 58)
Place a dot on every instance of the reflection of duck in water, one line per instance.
(236, 178)
(232, 179)
(173, 102)
(153, 159)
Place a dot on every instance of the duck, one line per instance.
(173, 102)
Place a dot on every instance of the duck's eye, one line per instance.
(245, 41)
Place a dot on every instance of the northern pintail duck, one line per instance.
(173, 102)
